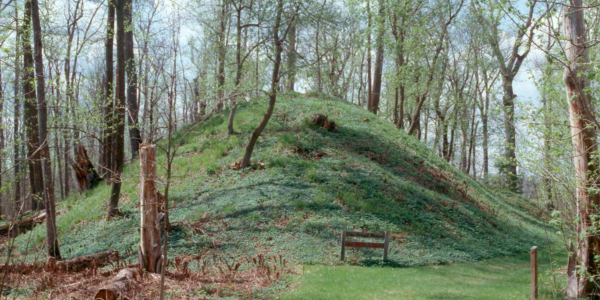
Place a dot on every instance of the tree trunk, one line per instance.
(274, 86)
(132, 102)
(376, 93)
(222, 55)
(369, 80)
(584, 134)
(107, 156)
(150, 244)
(510, 164)
(31, 114)
(16, 119)
(120, 110)
(48, 183)
(291, 59)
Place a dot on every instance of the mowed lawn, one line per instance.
(499, 278)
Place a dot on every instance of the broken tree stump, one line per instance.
(86, 174)
(123, 286)
(322, 121)
(149, 251)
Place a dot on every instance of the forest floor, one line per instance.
(306, 185)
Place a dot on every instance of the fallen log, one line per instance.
(122, 286)
(81, 263)
(23, 225)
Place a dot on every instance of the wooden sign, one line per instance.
(381, 235)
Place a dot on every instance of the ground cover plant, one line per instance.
(305, 186)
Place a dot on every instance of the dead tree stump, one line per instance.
(150, 246)
(322, 121)
(86, 174)
(122, 286)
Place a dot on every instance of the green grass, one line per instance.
(313, 184)
(498, 278)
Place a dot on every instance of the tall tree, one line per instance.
(49, 196)
(278, 43)
(509, 67)
(120, 106)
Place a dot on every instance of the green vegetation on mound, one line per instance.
(306, 186)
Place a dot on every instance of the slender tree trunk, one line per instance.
(584, 135)
(274, 87)
(510, 163)
(120, 110)
(132, 103)
(222, 55)
(369, 80)
(107, 154)
(49, 196)
(291, 59)
(31, 114)
(16, 121)
(376, 93)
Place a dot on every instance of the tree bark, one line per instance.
(222, 55)
(48, 183)
(584, 137)
(107, 156)
(274, 87)
(31, 114)
(150, 244)
(376, 92)
(16, 119)
(132, 101)
(291, 59)
(120, 111)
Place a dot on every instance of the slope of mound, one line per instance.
(306, 186)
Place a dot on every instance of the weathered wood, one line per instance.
(23, 225)
(97, 260)
(150, 244)
(364, 245)
(534, 273)
(122, 286)
(355, 244)
(365, 234)
(86, 174)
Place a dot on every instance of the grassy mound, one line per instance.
(308, 184)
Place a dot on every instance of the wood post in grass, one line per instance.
(534, 273)
(150, 244)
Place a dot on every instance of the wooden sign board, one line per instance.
(381, 235)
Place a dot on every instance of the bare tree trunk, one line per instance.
(376, 92)
(16, 119)
(49, 196)
(369, 80)
(120, 109)
(291, 59)
(222, 55)
(31, 114)
(106, 154)
(584, 136)
(274, 87)
(132, 103)
(510, 164)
